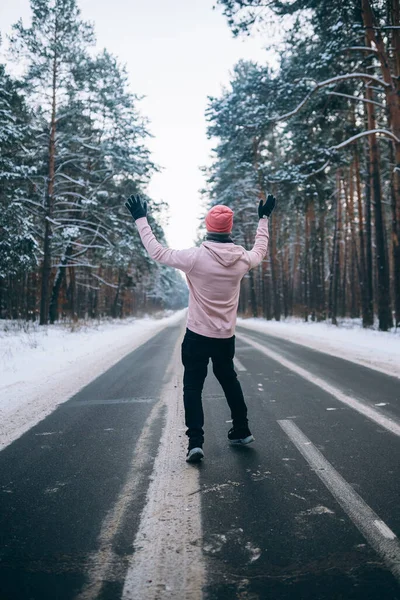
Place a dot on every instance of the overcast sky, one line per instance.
(177, 53)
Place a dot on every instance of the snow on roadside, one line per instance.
(41, 367)
(374, 349)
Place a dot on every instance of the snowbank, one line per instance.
(374, 349)
(41, 367)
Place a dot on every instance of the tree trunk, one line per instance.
(313, 263)
(253, 297)
(322, 294)
(71, 293)
(275, 275)
(345, 253)
(46, 267)
(392, 91)
(395, 248)
(334, 274)
(285, 277)
(355, 266)
(384, 313)
(395, 159)
(366, 290)
(114, 310)
(368, 254)
(59, 278)
(296, 262)
(306, 276)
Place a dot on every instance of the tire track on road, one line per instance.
(168, 560)
(168, 541)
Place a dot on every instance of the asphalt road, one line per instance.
(309, 511)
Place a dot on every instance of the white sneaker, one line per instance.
(194, 455)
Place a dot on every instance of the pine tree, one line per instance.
(52, 47)
(88, 141)
(18, 247)
(102, 141)
(328, 71)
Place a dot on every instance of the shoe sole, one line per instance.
(242, 442)
(195, 455)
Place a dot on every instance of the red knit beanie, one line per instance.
(219, 219)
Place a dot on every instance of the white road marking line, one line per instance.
(367, 411)
(167, 562)
(239, 366)
(375, 531)
(385, 530)
(312, 344)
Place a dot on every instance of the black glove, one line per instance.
(136, 206)
(265, 210)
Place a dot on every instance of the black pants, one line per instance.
(196, 352)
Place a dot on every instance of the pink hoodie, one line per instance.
(213, 271)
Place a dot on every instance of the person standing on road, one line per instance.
(213, 271)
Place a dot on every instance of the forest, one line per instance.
(322, 133)
(73, 147)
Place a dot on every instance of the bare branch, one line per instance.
(326, 164)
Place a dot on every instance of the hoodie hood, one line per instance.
(226, 254)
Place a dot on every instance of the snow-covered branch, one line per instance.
(350, 140)
(362, 48)
(85, 247)
(322, 84)
(383, 132)
(81, 227)
(88, 286)
(112, 285)
(71, 180)
(346, 143)
(78, 222)
(356, 98)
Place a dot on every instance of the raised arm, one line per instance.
(259, 250)
(179, 259)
